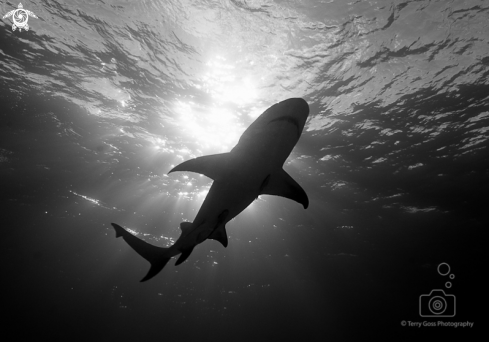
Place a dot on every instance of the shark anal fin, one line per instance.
(222, 216)
(185, 254)
(281, 184)
(219, 234)
(211, 166)
(157, 256)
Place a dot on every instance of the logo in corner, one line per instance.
(20, 16)
(438, 303)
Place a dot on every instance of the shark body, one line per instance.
(252, 168)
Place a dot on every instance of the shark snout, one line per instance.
(294, 111)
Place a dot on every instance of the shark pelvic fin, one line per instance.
(281, 184)
(157, 256)
(219, 234)
(211, 166)
(185, 227)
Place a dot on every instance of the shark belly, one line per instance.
(233, 195)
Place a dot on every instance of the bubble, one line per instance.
(448, 284)
(443, 269)
(452, 276)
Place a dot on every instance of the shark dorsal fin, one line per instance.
(281, 184)
(211, 166)
(219, 234)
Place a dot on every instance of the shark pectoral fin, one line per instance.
(185, 254)
(219, 234)
(281, 184)
(211, 166)
(158, 257)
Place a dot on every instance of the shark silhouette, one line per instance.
(252, 168)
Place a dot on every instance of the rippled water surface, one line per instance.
(100, 99)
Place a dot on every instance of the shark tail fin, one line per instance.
(185, 227)
(158, 257)
(185, 254)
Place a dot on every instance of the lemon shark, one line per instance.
(253, 167)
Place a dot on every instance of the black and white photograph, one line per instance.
(244, 170)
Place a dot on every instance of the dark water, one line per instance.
(100, 99)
